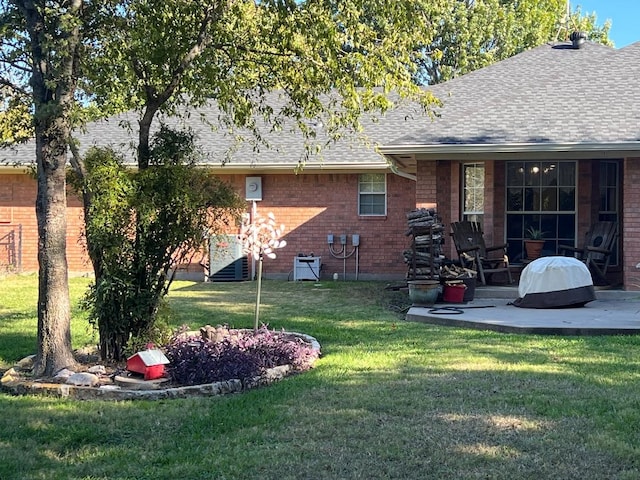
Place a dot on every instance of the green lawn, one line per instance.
(388, 399)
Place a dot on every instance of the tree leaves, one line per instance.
(474, 34)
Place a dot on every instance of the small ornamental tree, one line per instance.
(140, 226)
(261, 237)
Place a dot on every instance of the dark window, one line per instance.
(542, 195)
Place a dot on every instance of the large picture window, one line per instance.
(540, 195)
(372, 194)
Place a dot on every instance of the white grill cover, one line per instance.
(552, 282)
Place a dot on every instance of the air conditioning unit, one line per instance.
(306, 268)
(227, 262)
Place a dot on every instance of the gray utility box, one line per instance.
(306, 268)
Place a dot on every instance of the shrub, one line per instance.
(140, 225)
(236, 354)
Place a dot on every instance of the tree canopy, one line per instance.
(475, 33)
(330, 60)
(158, 55)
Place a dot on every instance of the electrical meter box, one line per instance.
(306, 268)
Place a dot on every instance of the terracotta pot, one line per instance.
(533, 248)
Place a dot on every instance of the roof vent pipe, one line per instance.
(578, 39)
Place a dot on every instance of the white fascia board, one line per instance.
(408, 176)
(259, 168)
(631, 148)
(265, 168)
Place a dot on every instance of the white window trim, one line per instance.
(377, 193)
(464, 212)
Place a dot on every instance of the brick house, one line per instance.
(549, 137)
(344, 192)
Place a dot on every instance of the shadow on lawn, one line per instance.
(345, 424)
(389, 399)
(15, 346)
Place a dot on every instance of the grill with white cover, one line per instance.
(555, 282)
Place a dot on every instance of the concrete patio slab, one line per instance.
(612, 313)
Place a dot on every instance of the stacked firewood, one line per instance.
(422, 217)
(454, 272)
(424, 258)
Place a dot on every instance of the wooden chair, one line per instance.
(596, 251)
(474, 254)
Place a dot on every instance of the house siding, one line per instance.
(586, 210)
(313, 205)
(328, 203)
(631, 221)
(310, 206)
(438, 186)
(17, 214)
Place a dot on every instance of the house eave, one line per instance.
(308, 168)
(263, 168)
(574, 150)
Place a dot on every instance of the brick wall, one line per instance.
(328, 203)
(309, 205)
(427, 185)
(17, 213)
(438, 187)
(494, 202)
(588, 194)
(630, 227)
(312, 206)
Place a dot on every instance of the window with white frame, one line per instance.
(473, 192)
(372, 194)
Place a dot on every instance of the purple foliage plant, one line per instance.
(240, 354)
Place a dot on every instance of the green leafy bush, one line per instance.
(140, 226)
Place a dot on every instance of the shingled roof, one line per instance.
(553, 97)
(281, 150)
(550, 98)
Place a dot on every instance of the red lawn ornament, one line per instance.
(149, 363)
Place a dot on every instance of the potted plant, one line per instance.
(534, 242)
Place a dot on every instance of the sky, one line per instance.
(624, 16)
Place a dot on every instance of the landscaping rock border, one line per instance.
(15, 381)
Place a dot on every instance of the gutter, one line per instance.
(604, 149)
(259, 168)
(408, 176)
(267, 168)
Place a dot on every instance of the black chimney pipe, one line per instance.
(578, 39)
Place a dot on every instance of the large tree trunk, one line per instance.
(54, 325)
(55, 59)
